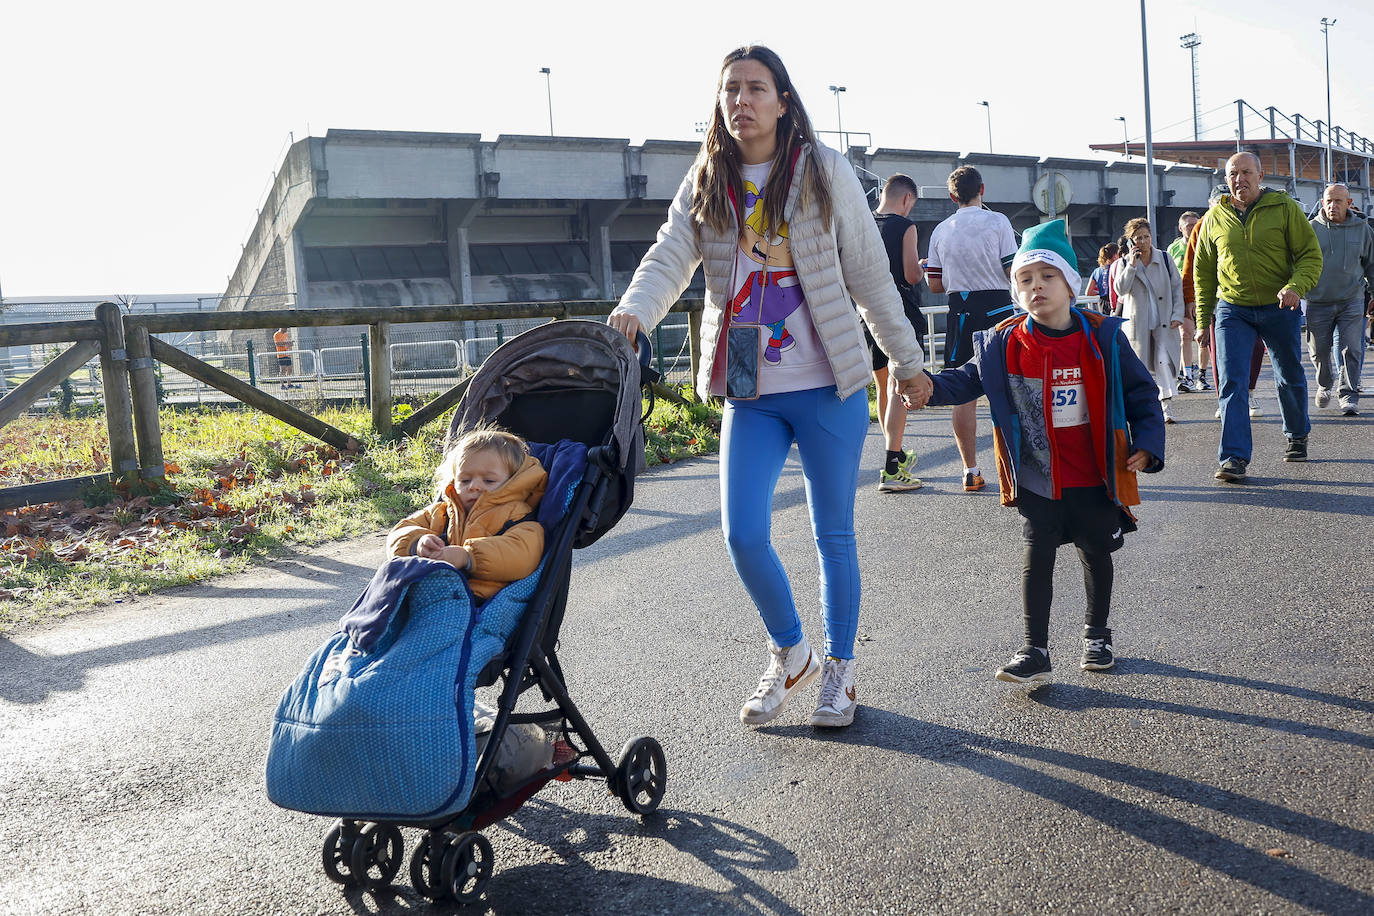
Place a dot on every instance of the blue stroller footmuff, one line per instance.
(379, 722)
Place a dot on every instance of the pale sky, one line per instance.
(139, 138)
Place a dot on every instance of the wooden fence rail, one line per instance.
(128, 365)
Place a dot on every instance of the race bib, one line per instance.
(1068, 404)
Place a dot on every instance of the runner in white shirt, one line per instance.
(970, 258)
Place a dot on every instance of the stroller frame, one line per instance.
(454, 861)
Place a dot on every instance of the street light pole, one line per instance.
(839, 121)
(1149, 145)
(1326, 37)
(548, 86)
(1125, 138)
(988, 108)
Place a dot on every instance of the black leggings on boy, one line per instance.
(1085, 516)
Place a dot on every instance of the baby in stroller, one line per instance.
(382, 728)
(482, 520)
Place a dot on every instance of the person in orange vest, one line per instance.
(284, 366)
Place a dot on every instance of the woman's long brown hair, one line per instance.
(717, 169)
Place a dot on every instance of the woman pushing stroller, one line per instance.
(786, 238)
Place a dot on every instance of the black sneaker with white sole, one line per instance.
(1297, 450)
(1097, 649)
(1232, 470)
(1028, 665)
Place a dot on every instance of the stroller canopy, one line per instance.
(569, 379)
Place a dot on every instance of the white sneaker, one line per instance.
(836, 706)
(1218, 413)
(788, 671)
(1256, 410)
(1323, 397)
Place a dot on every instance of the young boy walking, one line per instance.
(1075, 415)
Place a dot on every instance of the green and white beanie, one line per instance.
(1049, 243)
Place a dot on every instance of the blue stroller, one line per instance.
(377, 731)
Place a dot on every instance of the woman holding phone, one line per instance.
(784, 233)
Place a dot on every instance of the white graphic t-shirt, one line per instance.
(766, 293)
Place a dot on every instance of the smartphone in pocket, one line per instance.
(742, 362)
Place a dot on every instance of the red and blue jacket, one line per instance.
(1123, 405)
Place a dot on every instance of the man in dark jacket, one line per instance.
(1338, 300)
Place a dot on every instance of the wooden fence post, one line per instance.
(114, 361)
(380, 375)
(147, 423)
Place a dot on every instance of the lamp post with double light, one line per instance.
(548, 87)
(839, 121)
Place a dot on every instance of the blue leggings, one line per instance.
(755, 439)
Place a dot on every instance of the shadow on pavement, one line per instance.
(1070, 697)
(728, 849)
(1269, 493)
(988, 757)
(1163, 669)
(30, 677)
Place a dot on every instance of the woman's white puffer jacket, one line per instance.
(832, 263)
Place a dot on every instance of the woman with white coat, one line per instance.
(782, 229)
(1149, 292)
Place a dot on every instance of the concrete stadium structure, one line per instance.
(367, 218)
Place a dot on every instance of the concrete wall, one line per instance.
(299, 181)
(388, 164)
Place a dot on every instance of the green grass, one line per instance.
(242, 487)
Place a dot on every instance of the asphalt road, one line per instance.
(1224, 765)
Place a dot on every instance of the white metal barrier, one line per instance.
(304, 364)
(426, 357)
(340, 362)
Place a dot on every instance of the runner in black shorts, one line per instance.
(919, 324)
(904, 261)
(969, 313)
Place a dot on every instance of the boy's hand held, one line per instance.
(915, 391)
(1139, 460)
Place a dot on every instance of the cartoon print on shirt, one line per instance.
(754, 302)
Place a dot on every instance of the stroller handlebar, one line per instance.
(645, 351)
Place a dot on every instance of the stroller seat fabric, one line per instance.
(379, 724)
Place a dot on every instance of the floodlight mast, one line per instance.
(1191, 42)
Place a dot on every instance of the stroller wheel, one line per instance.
(376, 855)
(642, 776)
(337, 854)
(425, 863)
(467, 867)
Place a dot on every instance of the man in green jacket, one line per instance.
(1257, 256)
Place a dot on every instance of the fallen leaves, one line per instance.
(57, 447)
(226, 514)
